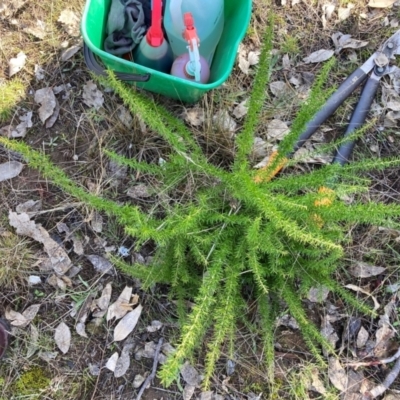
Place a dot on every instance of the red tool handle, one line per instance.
(155, 36)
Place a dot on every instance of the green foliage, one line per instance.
(31, 383)
(235, 242)
(10, 93)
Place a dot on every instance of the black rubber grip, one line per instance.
(358, 118)
(331, 105)
(97, 68)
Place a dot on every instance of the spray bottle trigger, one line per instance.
(193, 67)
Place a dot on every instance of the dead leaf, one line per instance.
(195, 116)
(139, 191)
(52, 120)
(29, 206)
(277, 129)
(261, 148)
(241, 109)
(364, 270)
(127, 324)
(46, 98)
(24, 319)
(318, 294)
(244, 64)
(206, 395)
(97, 222)
(319, 56)
(24, 226)
(327, 12)
(124, 361)
(21, 129)
(138, 381)
(286, 64)
(383, 336)
(253, 57)
(224, 121)
(125, 116)
(92, 96)
(16, 64)
(38, 30)
(279, 88)
(337, 374)
(62, 337)
(188, 392)
(10, 169)
(190, 374)
(362, 337)
(247, 60)
(103, 301)
(121, 306)
(344, 12)
(287, 320)
(329, 332)
(342, 41)
(381, 3)
(100, 264)
(316, 384)
(33, 342)
(39, 72)
(358, 289)
(112, 362)
(70, 52)
(155, 326)
(70, 21)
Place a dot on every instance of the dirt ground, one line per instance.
(34, 366)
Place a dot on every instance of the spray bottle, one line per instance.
(154, 51)
(191, 66)
(209, 17)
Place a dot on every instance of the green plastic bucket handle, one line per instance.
(97, 68)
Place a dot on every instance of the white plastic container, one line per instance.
(209, 17)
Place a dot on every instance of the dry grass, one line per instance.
(84, 133)
(17, 259)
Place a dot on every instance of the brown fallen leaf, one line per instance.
(24, 319)
(101, 304)
(112, 362)
(381, 3)
(121, 306)
(337, 374)
(10, 169)
(62, 337)
(361, 290)
(24, 226)
(364, 270)
(362, 337)
(127, 324)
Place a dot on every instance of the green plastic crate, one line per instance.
(237, 18)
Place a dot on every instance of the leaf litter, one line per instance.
(60, 261)
(16, 64)
(24, 319)
(10, 169)
(62, 337)
(127, 324)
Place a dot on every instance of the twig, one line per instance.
(380, 389)
(153, 371)
(375, 362)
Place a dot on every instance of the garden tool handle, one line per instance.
(358, 118)
(332, 104)
(97, 68)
